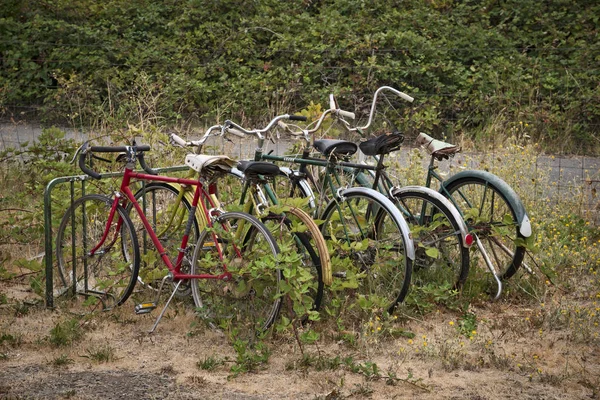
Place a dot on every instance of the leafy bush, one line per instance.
(469, 64)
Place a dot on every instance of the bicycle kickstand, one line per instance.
(165, 307)
(145, 308)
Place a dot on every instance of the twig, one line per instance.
(19, 276)
(406, 380)
(294, 323)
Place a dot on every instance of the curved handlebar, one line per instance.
(230, 127)
(145, 166)
(88, 171)
(374, 104)
(177, 140)
(138, 151)
(335, 110)
(235, 129)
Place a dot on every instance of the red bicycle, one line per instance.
(232, 267)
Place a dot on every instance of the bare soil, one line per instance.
(508, 357)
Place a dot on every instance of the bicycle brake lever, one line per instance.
(79, 150)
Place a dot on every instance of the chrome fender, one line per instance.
(464, 231)
(395, 213)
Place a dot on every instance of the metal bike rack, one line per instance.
(48, 236)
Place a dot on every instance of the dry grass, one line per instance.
(541, 339)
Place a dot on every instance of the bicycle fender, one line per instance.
(462, 226)
(511, 196)
(410, 247)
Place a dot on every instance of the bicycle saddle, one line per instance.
(383, 144)
(440, 150)
(209, 164)
(335, 147)
(258, 168)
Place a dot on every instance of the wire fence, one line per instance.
(542, 180)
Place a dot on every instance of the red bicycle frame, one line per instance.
(199, 194)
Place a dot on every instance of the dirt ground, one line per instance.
(508, 357)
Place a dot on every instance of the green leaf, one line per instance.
(432, 252)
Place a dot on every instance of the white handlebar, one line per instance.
(405, 96)
(374, 104)
(177, 140)
(235, 132)
(346, 114)
(332, 102)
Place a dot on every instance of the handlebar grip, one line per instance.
(145, 166)
(107, 149)
(406, 97)
(85, 169)
(174, 139)
(297, 118)
(346, 114)
(236, 132)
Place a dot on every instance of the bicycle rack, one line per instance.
(48, 234)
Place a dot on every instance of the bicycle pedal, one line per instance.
(144, 308)
(208, 245)
(339, 274)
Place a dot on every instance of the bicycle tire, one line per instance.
(247, 304)
(310, 244)
(108, 277)
(441, 259)
(491, 223)
(384, 272)
(169, 224)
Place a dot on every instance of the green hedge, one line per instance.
(475, 67)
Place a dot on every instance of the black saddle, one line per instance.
(335, 147)
(382, 144)
(255, 168)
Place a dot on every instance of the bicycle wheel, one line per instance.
(168, 214)
(368, 241)
(490, 216)
(107, 278)
(441, 259)
(296, 231)
(247, 303)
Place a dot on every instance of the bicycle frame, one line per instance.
(199, 194)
